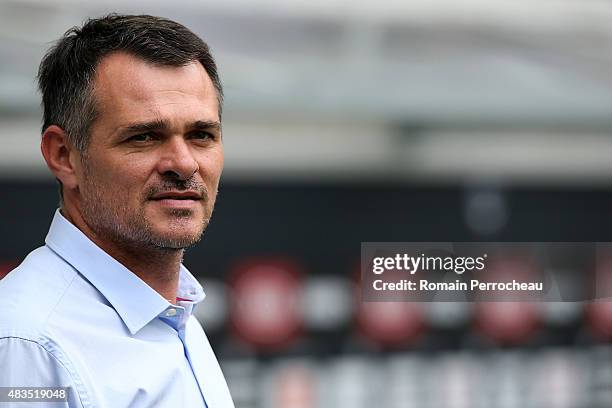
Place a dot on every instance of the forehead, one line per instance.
(127, 88)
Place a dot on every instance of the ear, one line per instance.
(60, 156)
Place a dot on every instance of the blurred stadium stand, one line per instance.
(465, 120)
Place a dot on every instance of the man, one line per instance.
(132, 132)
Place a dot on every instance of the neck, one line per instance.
(157, 267)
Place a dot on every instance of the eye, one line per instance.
(202, 135)
(143, 137)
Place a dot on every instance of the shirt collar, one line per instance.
(136, 302)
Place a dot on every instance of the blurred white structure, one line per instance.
(422, 90)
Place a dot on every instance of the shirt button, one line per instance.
(171, 312)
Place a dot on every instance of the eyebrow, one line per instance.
(163, 125)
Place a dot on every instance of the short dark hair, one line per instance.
(67, 71)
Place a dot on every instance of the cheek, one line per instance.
(123, 181)
(211, 167)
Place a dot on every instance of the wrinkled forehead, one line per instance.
(126, 86)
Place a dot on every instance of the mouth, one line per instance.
(178, 196)
(178, 200)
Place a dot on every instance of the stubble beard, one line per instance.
(129, 227)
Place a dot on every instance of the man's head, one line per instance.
(67, 72)
(131, 130)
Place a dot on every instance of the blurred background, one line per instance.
(422, 120)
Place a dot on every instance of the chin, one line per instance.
(175, 241)
(188, 232)
(176, 230)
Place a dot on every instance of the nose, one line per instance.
(177, 159)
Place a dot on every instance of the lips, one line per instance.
(177, 195)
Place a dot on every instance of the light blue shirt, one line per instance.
(72, 316)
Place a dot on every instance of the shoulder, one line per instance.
(27, 363)
(35, 362)
(31, 293)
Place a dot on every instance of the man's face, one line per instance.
(150, 174)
